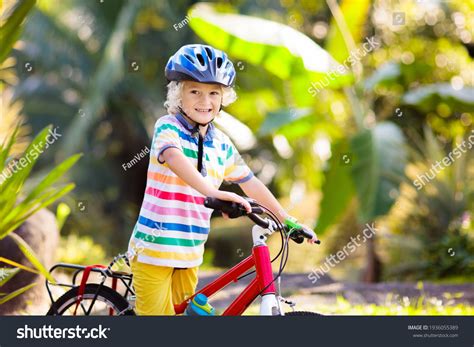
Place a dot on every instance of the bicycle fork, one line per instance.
(269, 305)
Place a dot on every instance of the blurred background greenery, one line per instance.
(337, 158)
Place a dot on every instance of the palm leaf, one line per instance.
(6, 274)
(42, 202)
(10, 29)
(353, 16)
(47, 182)
(10, 296)
(13, 185)
(280, 49)
(7, 146)
(31, 256)
(18, 265)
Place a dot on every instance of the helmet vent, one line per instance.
(209, 52)
(189, 58)
(219, 62)
(200, 58)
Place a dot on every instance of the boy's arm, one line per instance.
(182, 167)
(255, 189)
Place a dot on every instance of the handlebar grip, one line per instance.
(305, 234)
(298, 235)
(308, 235)
(232, 209)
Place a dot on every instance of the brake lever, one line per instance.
(297, 238)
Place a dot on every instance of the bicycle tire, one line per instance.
(303, 313)
(106, 295)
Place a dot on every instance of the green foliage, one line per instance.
(13, 214)
(12, 19)
(376, 158)
(109, 72)
(353, 16)
(6, 297)
(62, 212)
(288, 53)
(425, 98)
(452, 254)
(386, 75)
(276, 66)
(421, 306)
(7, 274)
(379, 164)
(18, 203)
(30, 255)
(338, 188)
(436, 217)
(229, 243)
(80, 250)
(274, 121)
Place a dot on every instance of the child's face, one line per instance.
(201, 101)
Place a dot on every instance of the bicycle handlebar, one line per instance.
(232, 209)
(235, 210)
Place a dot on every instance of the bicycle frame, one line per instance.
(261, 284)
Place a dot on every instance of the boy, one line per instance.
(189, 159)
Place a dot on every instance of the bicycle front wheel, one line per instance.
(302, 313)
(96, 301)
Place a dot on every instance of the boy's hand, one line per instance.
(293, 223)
(228, 196)
(314, 239)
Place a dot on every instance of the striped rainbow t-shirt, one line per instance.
(173, 224)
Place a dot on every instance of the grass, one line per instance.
(422, 306)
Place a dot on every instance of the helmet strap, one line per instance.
(200, 124)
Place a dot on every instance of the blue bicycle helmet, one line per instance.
(200, 63)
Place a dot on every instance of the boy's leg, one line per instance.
(183, 284)
(152, 286)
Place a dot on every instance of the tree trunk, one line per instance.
(373, 268)
(41, 233)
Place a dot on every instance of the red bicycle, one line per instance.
(105, 300)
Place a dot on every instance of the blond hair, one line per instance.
(173, 97)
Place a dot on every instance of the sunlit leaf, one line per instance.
(31, 256)
(18, 265)
(11, 24)
(386, 75)
(426, 98)
(379, 157)
(10, 296)
(280, 49)
(338, 187)
(6, 274)
(355, 14)
(277, 119)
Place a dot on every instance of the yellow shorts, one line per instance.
(158, 288)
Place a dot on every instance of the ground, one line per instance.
(329, 296)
